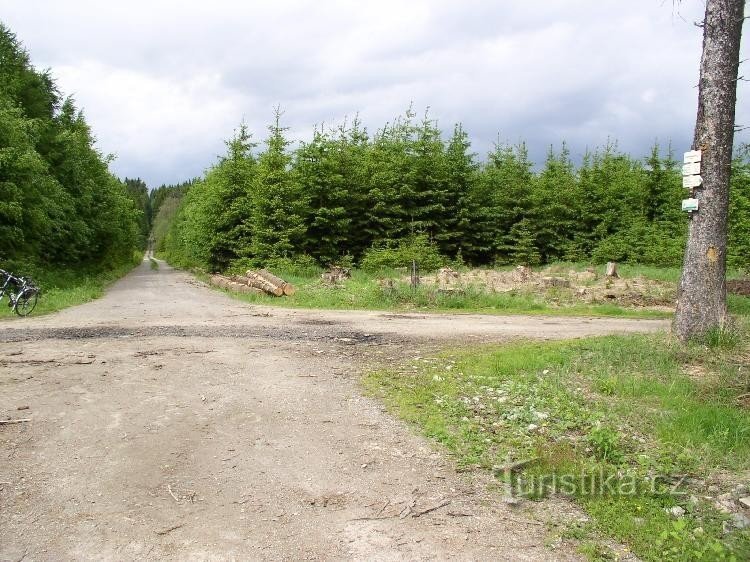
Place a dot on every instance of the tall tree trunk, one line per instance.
(701, 302)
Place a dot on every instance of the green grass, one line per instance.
(629, 407)
(363, 292)
(62, 288)
(629, 271)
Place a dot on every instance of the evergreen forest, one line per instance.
(346, 195)
(60, 206)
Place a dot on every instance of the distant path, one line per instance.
(169, 421)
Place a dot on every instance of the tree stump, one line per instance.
(611, 270)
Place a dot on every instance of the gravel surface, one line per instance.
(168, 421)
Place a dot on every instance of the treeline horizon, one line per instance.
(347, 193)
(60, 206)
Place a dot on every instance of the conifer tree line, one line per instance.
(345, 192)
(59, 203)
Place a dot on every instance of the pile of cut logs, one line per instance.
(260, 282)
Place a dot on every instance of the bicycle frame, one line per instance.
(9, 279)
(19, 290)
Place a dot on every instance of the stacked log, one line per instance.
(270, 283)
(255, 279)
(258, 282)
(233, 284)
(287, 288)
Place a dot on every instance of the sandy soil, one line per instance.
(168, 421)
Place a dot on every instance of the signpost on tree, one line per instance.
(701, 298)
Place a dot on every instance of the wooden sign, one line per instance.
(692, 169)
(690, 205)
(691, 181)
(692, 156)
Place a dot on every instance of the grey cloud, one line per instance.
(163, 83)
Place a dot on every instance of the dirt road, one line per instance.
(168, 421)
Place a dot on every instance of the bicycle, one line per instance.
(23, 294)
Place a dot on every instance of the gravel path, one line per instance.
(168, 421)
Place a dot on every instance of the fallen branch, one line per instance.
(430, 509)
(386, 504)
(20, 420)
(44, 362)
(169, 529)
(169, 489)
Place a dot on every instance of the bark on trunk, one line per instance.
(287, 288)
(234, 285)
(701, 301)
(256, 280)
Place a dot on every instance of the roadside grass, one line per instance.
(363, 292)
(614, 423)
(62, 288)
(738, 304)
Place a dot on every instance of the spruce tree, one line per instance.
(279, 206)
(319, 174)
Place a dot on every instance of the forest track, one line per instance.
(169, 421)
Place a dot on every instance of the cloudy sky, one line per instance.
(163, 83)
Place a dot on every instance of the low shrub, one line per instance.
(415, 248)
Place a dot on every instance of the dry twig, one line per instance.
(169, 529)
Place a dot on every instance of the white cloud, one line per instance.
(163, 83)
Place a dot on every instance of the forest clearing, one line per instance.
(561, 289)
(513, 325)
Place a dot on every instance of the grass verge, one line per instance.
(62, 288)
(644, 434)
(363, 292)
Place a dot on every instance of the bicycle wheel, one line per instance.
(26, 301)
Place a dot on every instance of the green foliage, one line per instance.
(138, 192)
(403, 253)
(322, 171)
(278, 202)
(605, 442)
(738, 250)
(346, 193)
(59, 204)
